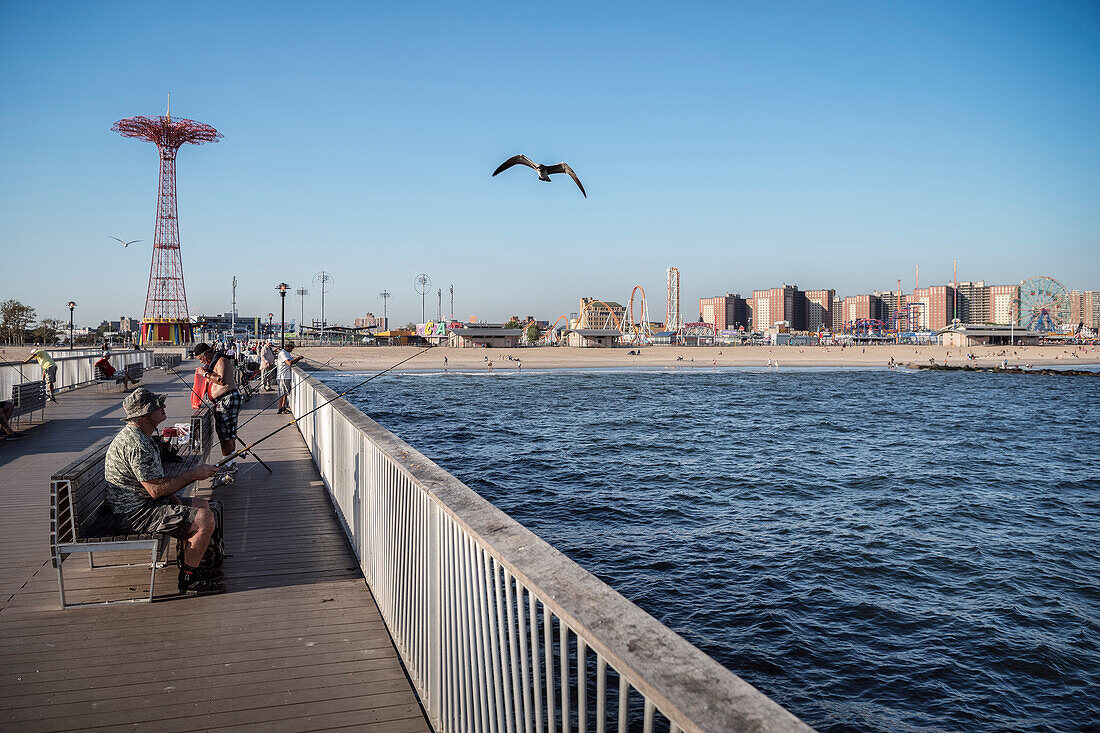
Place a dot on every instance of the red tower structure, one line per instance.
(166, 318)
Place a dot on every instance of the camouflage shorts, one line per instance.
(174, 520)
(226, 410)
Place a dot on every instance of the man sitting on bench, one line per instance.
(143, 498)
(109, 372)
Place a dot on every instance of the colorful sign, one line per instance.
(431, 329)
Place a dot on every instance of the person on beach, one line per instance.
(49, 370)
(109, 372)
(222, 381)
(144, 500)
(285, 362)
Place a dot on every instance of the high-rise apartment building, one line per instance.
(1084, 308)
(972, 301)
(1002, 308)
(724, 311)
(371, 321)
(862, 307)
(819, 310)
(787, 303)
(937, 306)
(890, 302)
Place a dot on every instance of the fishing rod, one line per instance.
(201, 398)
(318, 407)
(276, 400)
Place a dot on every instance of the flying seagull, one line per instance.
(544, 171)
(124, 244)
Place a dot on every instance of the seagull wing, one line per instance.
(516, 160)
(127, 244)
(564, 168)
(117, 240)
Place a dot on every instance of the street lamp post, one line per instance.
(72, 305)
(282, 288)
(270, 327)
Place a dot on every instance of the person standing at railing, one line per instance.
(221, 379)
(285, 362)
(267, 365)
(49, 370)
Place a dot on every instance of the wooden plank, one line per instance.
(296, 644)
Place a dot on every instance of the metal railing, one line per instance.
(72, 371)
(498, 630)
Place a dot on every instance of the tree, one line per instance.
(533, 331)
(14, 319)
(47, 330)
(514, 323)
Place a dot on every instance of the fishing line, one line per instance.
(276, 400)
(191, 388)
(318, 407)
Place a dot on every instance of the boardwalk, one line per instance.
(296, 644)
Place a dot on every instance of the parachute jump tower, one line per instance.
(166, 318)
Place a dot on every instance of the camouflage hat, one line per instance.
(141, 402)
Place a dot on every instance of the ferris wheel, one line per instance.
(1043, 304)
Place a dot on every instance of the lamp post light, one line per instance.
(270, 327)
(282, 288)
(72, 305)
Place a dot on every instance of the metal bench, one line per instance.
(29, 397)
(134, 371)
(167, 361)
(81, 521)
(101, 379)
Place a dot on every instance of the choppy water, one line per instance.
(875, 550)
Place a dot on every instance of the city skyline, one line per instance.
(833, 148)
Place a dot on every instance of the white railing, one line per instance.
(72, 371)
(499, 631)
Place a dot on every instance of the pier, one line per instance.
(368, 588)
(296, 644)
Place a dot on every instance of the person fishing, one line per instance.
(284, 362)
(144, 500)
(222, 381)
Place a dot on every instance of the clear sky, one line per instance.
(828, 144)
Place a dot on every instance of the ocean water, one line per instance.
(875, 550)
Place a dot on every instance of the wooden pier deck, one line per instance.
(296, 644)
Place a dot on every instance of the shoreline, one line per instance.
(374, 358)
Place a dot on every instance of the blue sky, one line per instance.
(825, 144)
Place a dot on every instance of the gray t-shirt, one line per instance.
(131, 459)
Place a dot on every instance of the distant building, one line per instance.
(484, 336)
(724, 312)
(819, 310)
(861, 308)
(1002, 309)
(787, 303)
(601, 314)
(967, 334)
(937, 306)
(1084, 308)
(372, 321)
(890, 302)
(972, 302)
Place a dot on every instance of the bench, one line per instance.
(101, 379)
(81, 521)
(134, 371)
(167, 361)
(29, 397)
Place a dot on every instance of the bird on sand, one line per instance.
(124, 244)
(544, 171)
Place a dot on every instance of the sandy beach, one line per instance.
(372, 358)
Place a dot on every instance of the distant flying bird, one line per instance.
(544, 171)
(124, 244)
